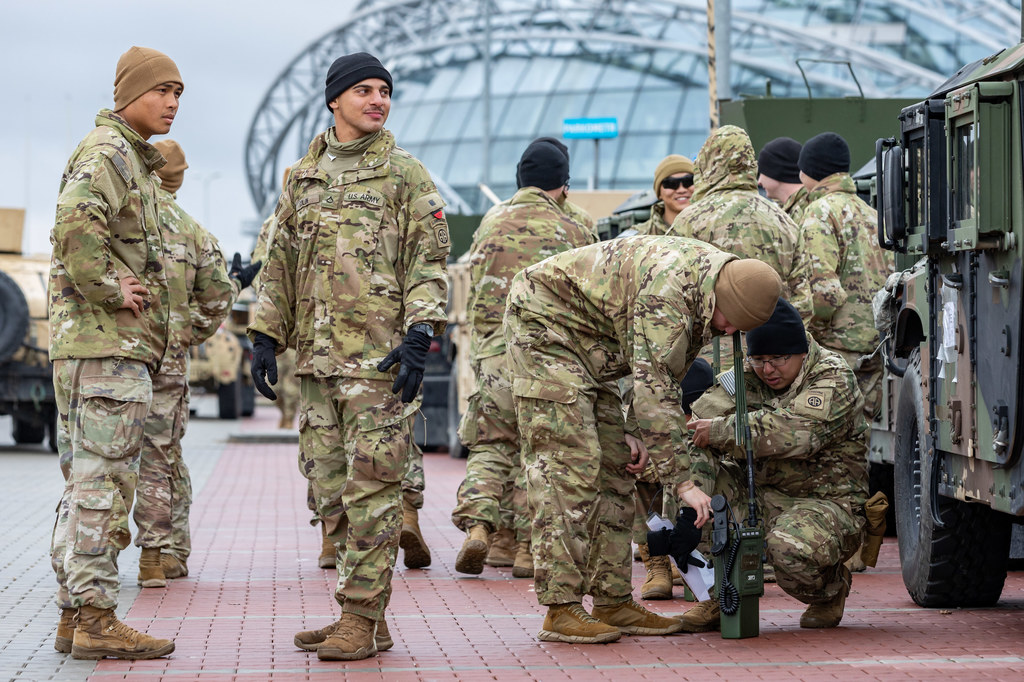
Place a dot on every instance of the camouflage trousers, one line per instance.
(806, 540)
(164, 493)
(574, 456)
(494, 476)
(355, 440)
(102, 406)
(869, 379)
(287, 387)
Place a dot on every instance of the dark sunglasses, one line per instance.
(672, 183)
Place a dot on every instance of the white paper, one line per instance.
(699, 580)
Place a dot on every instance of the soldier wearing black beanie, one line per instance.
(543, 165)
(782, 334)
(824, 155)
(351, 69)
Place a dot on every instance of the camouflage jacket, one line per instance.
(809, 441)
(637, 305)
(106, 229)
(200, 291)
(526, 230)
(655, 225)
(356, 261)
(838, 234)
(263, 240)
(727, 211)
(580, 216)
(796, 204)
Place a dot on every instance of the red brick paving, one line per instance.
(254, 583)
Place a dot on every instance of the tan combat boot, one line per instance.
(633, 619)
(502, 550)
(571, 623)
(474, 550)
(417, 554)
(523, 565)
(172, 566)
(856, 564)
(704, 617)
(151, 573)
(328, 552)
(828, 614)
(65, 631)
(658, 584)
(310, 640)
(100, 634)
(352, 640)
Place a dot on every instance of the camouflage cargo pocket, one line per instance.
(385, 445)
(113, 417)
(469, 426)
(102, 520)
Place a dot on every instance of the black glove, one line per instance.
(412, 354)
(264, 363)
(685, 538)
(244, 275)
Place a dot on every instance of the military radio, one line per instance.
(738, 549)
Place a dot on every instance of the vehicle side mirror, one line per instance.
(892, 221)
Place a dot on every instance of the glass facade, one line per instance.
(644, 64)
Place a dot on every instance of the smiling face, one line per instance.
(674, 194)
(154, 111)
(361, 110)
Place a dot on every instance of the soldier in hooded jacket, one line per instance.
(574, 324)
(809, 441)
(109, 317)
(530, 227)
(838, 232)
(356, 282)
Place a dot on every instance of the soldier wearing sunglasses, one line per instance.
(673, 185)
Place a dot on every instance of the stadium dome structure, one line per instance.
(644, 63)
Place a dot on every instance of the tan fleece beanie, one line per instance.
(139, 70)
(670, 165)
(172, 173)
(746, 292)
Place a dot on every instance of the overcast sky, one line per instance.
(57, 62)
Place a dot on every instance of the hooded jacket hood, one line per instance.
(725, 162)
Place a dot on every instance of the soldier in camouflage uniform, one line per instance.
(575, 324)
(673, 186)
(358, 261)
(109, 310)
(200, 296)
(838, 232)
(809, 440)
(779, 176)
(526, 230)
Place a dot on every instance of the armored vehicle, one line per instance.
(26, 376)
(951, 207)
(220, 365)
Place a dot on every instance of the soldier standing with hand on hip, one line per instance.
(356, 281)
(108, 304)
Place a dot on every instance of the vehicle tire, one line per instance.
(880, 479)
(229, 400)
(455, 447)
(28, 433)
(51, 433)
(13, 317)
(248, 392)
(962, 563)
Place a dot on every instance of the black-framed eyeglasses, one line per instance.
(686, 180)
(776, 362)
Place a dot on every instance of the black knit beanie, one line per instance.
(698, 379)
(351, 69)
(543, 165)
(778, 160)
(824, 155)
(782, 334)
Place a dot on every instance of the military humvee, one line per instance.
(951, 207)
(26, 376)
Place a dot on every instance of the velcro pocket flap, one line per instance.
(544, 390)
(123, 389)
(372, 420)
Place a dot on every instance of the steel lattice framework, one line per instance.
(417, 36)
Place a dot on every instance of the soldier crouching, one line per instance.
(809, 440)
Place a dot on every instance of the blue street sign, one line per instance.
(590, 128)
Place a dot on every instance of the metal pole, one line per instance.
(597, 143)
(712, 75)
(486, 155)
(723, 47)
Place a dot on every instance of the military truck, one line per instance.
(951, 208)
(26, 376)
(220, 365)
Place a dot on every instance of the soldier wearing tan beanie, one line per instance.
(673, 187)
(746, 293)
(172, 173)
(139, 70)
